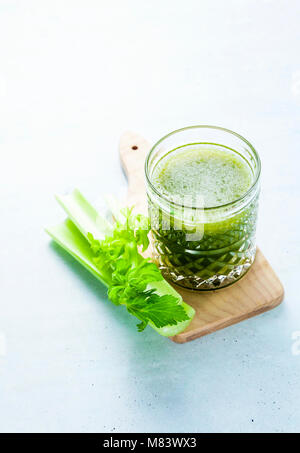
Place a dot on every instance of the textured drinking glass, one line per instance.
(195, 246)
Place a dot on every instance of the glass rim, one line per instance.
(231, 203)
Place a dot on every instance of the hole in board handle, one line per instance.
(134, 147)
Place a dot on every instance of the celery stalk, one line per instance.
(72, 236)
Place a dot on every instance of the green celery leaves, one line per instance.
(111, 252)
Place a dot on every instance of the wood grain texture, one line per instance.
(258, 291)
(133, 149)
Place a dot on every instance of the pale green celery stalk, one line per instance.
(67, 235)
(88, 220)
(84, 215)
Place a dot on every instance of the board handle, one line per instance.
(133, 150)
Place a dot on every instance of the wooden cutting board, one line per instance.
(258, 291)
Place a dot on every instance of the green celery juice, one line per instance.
(220, 178)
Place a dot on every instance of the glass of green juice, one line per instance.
(203, 186)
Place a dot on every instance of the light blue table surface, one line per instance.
(73, 76)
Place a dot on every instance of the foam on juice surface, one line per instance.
(219, 176)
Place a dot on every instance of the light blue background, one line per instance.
(73, 76)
